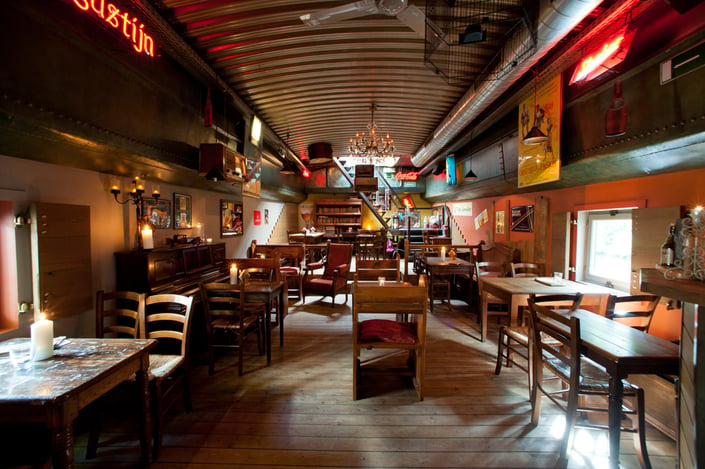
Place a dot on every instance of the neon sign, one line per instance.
(410, 176)
(611, 54)
(131, 28)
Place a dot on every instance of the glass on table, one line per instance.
(381, 281)
(21, 356)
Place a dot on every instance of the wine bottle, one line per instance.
(616, 118)
(668, 248)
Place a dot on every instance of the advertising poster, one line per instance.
(257, 217)
(541, 162)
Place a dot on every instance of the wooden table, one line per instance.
(515, 291)
(307, 238)
(264, 291)
(53, 391)
(445, 266)
(623, 351)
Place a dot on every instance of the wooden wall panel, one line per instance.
(61, 259)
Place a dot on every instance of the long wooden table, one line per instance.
(623, 351)
(53, 391)
(515, 291)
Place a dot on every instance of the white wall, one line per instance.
(112, 225)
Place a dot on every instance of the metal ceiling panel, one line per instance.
(316, 84)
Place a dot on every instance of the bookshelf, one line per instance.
(338, 215)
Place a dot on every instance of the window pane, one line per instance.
(610, 249)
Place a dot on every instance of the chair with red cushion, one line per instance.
(373, 307)
(335, 273)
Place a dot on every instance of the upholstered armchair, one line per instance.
(334, 279)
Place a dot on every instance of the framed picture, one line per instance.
(157, 212)
(523, 218)
(182, 211)
(230, 218)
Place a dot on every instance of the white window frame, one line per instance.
(583, 239)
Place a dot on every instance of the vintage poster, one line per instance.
(499, 222)
(542, 112)
(481, 219)
(523, 218)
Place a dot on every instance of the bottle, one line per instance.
(668, 248)
(616, 118)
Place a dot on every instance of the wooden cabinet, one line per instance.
(338, 215)
(691, 406)
(222, 160)
(61, 250)
(176, 270)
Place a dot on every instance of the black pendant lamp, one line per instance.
(470, 175)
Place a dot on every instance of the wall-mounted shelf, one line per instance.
(338, 215)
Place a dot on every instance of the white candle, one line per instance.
(147, 239)
(42, 341)
(233, 274)
(443, 253)
(381, 281)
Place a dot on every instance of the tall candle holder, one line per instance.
(136, 197)
(691, 262)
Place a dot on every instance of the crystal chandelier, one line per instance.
(370, 148)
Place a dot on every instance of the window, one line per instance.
(606, 240)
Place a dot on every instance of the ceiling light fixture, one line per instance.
(535, 136)
(470, 175)
(370, 148)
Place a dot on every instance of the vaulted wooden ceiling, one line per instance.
(317, 83)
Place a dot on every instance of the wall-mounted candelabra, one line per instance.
(143, 235)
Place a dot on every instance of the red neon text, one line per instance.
(410, 176)
(130, 28)
(591, 63)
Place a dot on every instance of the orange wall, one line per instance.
(681, 188)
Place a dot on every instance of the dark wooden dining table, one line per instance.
(515, 292)
(623, 351)
(53, 391)
(441, 266)
(266, 291)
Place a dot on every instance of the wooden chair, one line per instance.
(167, 318)
(227, 314)
(291, 260)
(335, 273)
(556, 342)
(402, 301)
(118, 313)
(264, 269)
(514, 341)
(495, 306)
(525, 269)
(636, 311)
(371, 269)
(365, 242)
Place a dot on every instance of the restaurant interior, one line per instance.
(287, 184)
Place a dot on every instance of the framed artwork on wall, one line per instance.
(182, 211)
(157, 212)
(230, 218)
(523, 218)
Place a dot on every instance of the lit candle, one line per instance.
(42, 339)
(114, 188)
(381, 281)
(147, 239)
(443, 253)
(233, 274)
(209, 240)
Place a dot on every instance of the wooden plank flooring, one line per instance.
(299, 413)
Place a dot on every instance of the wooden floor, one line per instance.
(299, 412)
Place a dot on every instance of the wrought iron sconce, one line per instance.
(136, 196)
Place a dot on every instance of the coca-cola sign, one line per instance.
(410, 176)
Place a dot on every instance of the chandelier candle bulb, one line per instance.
(42, 339)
